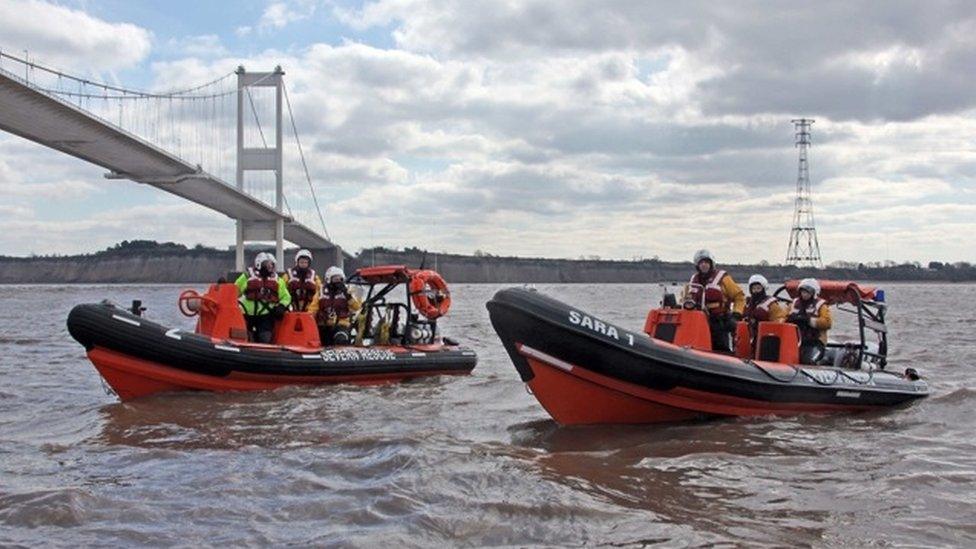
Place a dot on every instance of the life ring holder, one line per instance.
(204, 303)
(429, 293)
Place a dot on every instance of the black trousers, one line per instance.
(334, 335)
(260, 329)
(811, 351)
(722, 330)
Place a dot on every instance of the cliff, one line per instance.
(150, 262)
(483, 268)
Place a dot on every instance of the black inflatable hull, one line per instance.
(138, 357)
(585, 370)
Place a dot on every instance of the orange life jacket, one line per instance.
(707, 293)
(810, 309)
(758, 311)
(261, 288)
(302, 289)
(330, 304)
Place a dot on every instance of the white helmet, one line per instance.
(704, 254)
(261, 258)
(334, 271)
(759, 279)
(303, 253)
(809, 284)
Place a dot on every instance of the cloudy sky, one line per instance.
(558, 129)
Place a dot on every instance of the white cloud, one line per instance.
(858, 61)
(278, 15)
(204, 45)
(580, 154)
(70, 38)
(166, 220)
(8, 211)
(619, 129)
(53, 191)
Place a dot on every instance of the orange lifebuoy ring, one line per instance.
(190, 303)
(430, 294)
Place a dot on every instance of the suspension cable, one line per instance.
(124, 92)
(257, 120)
(301, 154)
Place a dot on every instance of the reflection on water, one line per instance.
(472, 460)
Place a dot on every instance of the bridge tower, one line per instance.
(260, 159)
(804, 249)
(77, 116)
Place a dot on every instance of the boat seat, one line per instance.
(742, 343)
(778, 342)
(297, 329)
(681, 327)
(222, 319)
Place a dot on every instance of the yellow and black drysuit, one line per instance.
(813, 318)
(305, 288)
(336, 306)
(722, 299)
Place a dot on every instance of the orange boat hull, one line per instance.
(585, 370)
(576, 396)
(133, 378)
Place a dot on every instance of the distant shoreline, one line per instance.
(147, 262)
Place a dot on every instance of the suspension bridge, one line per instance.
(189, 142)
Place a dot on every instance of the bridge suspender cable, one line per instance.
(301, 154)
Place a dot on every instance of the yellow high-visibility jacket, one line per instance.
(260, 308)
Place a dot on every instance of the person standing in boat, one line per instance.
(761, 307)
(263, 296)
(812, 315)
(303, 284)
(713, 291)
(336, 307)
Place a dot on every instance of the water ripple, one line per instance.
(472, 460)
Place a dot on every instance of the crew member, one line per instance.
(263, 296)
(812, 315)
(303, 284)
(761, 307)
(336, 307)
(714, 292)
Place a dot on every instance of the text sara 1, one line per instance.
(598, 326)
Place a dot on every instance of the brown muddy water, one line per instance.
(470, 460)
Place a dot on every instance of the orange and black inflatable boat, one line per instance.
(584, 370)
(139, 357)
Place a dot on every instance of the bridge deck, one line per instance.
(57, 124)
